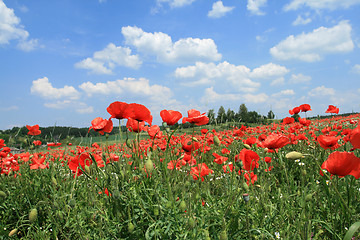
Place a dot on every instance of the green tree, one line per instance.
(221, 115)
(270, 115)
(211, 116)
(230, 115)
(243, 113)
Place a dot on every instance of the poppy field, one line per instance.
(294, 179)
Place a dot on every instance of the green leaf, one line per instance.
(350, 233)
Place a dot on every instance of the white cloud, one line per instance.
(219, 10)
(175, 3)
(286, 92)
(278, 81)
(11, 29)
(312, 46)
(299, 78)
(210, 96)
(29, 45)
(44, 88)
(237, 76)
(321, 4)
(321, 91)
(104, 61)
(129, 87)
(161, 45)
(254, 6)
(269, 70)
(301, 21)
(356, 68)
(79, 107)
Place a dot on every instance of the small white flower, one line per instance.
(301, 164)
(328, 182)
(277, 235)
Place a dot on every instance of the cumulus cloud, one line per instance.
(311, 47)
(79, 107)
(219, 10)
(161, 46)
(129, 87)
(44, 88)
(299, 78)
(286, 92)
(11, 29)
(316, 5)
(104, 61)
(237, 76)
(321, 91)
(356, 68)
(301, 21)
(210, 96)
(254, 6)
(175, 3)
(269, 70)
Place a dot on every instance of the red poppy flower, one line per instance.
(305, 107)
(252, 177)
(77, 163)
(332, 109)
(38, 162)
(135, 126)
(33, 130)
(288, 120)
(170, 117)
(138, 112)
(342, 164)
(200, 170)
(36, 143)
(2, 143)
(304, 121)
(195, 117)
(328, 142)
(296, 110)
(249, 158)
(275, 141)
(189, 145)
(355, 137)
(117, 110)
(101, 125)
(219, 159)
(154, 132)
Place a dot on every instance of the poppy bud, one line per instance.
(247, 146)
(182, 206)
(149, 166)
(217, 140)
(156, 211)
(246, 197)
(308, 197)
(195, 139)
(2, 194)
(223, 235)
(191, 222)
(116, 194)
(53, 180)
(294, 155)
(87, 169)
(33, 215)
(13, 232)
(131, 227)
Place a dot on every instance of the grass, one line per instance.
(137, 196)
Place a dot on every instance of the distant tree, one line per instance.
(243, 113)
(230, 115)
(253, 117)
(211, 116)
(270, 115)
(221, 115)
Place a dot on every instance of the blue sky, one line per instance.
(63, 62)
